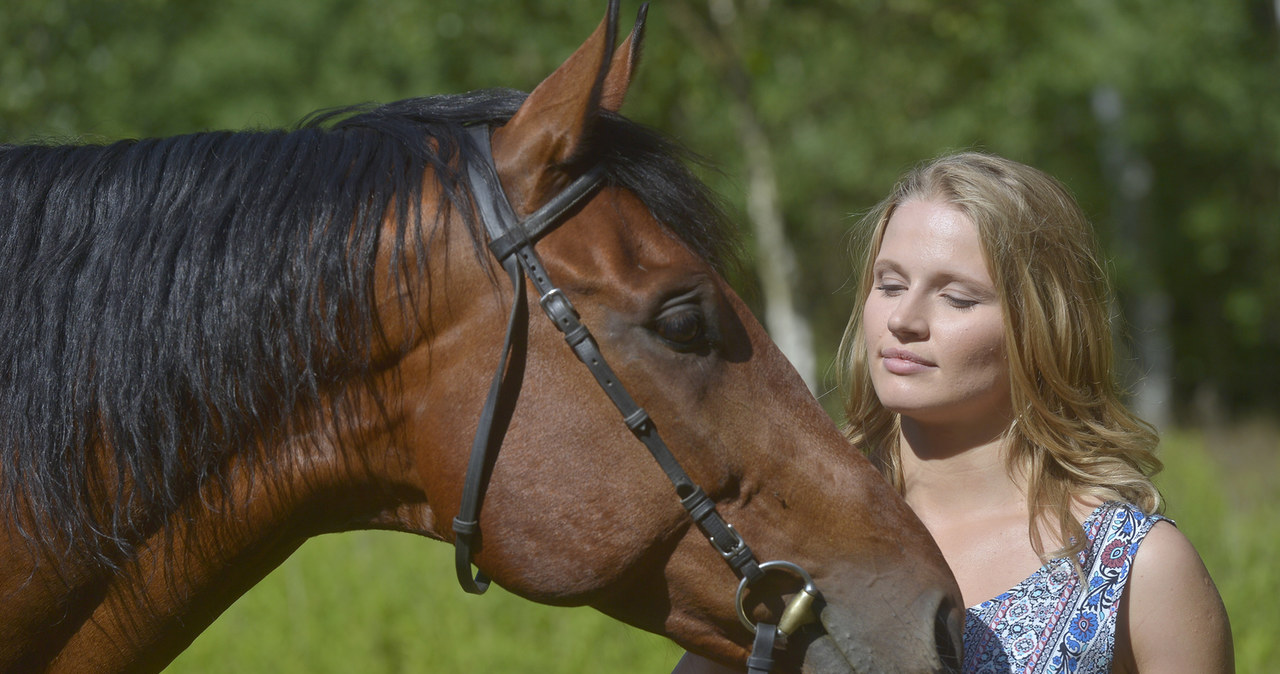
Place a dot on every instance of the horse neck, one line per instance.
(139, 616)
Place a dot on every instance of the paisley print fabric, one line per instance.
(1051, 622)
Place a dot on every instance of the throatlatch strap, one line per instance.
(466, 524)
(506, 235)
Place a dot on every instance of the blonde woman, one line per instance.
(977, 369)
(979, 379)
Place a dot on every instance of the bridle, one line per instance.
(512, 242)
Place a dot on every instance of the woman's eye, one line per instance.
(683, 328)
(960, 302)
(891, 289)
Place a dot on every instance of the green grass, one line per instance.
(1222, 495)
(376, 602)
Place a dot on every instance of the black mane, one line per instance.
(178, 299)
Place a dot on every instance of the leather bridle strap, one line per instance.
(512, 241)
(466, 524)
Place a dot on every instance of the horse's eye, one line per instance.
(684, 329)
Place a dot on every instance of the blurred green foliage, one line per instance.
(1231, 512)
(851, 92)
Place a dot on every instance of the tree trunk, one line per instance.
(1149, 307)
(774, 256)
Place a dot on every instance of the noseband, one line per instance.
(512, 242)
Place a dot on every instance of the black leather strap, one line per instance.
(467, 524)
(544, 219)
(506, 235)
(761, 659)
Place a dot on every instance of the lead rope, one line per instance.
(511, 241)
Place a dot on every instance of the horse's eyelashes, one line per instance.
(685, 328)
(683, 321)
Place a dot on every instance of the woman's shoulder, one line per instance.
(1173, 618)
(1168, 560)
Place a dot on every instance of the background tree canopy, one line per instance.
(1163, 116)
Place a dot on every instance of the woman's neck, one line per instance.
(958, 468)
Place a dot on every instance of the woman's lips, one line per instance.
(901, 361)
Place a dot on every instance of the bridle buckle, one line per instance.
(731, 545)
(556, 305)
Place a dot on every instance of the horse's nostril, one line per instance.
(948, 630)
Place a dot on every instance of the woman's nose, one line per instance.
(909, 320)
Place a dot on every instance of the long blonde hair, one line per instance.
(1072, 438)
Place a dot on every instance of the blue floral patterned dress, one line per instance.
(1051, 622)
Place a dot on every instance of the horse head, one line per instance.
(575, 511)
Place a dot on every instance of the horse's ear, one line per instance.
(549, 129)
(624, 65)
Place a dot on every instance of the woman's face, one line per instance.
(932, 322)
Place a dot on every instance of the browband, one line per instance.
(507, 232)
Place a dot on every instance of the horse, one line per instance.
(218, 345)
